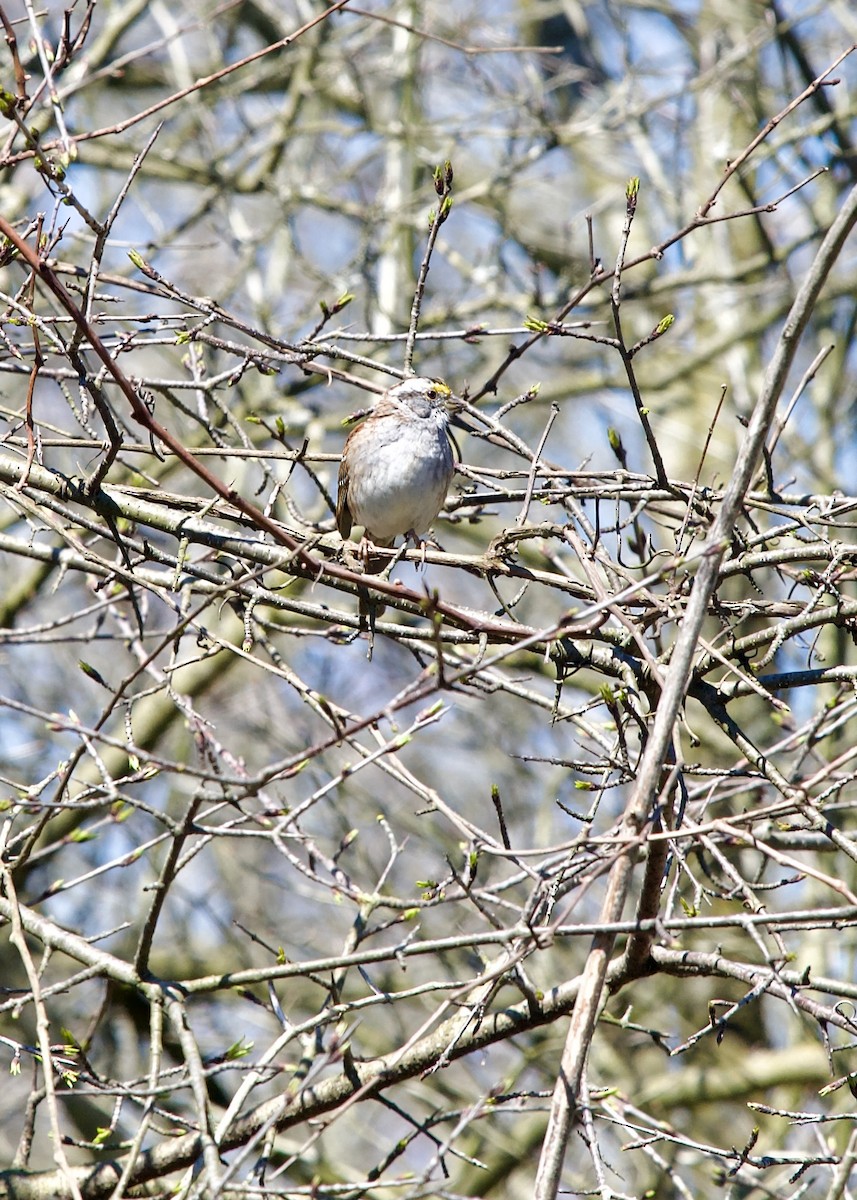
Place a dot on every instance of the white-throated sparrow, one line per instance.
(397, 465)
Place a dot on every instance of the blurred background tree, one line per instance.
(297, 907)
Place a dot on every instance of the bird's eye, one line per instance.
(432, 394)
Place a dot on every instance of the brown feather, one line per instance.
(343, 512)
